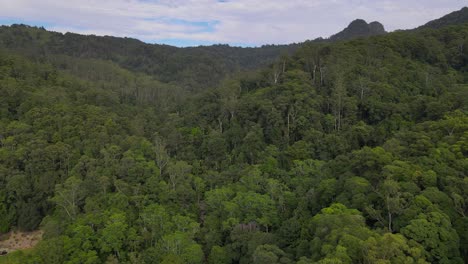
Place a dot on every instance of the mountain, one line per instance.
(454, 18)
(359, 28)
(192, 68)
(188, 67)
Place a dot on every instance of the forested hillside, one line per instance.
(455, 18)
(193, 68)
(347, 152)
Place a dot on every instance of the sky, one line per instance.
(205, 22)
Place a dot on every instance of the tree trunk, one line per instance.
(321, 75)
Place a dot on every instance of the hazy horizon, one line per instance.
(244, 23)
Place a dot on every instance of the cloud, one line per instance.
(248, 22)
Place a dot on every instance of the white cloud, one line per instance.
(252, 22)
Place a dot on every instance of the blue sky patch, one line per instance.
(11, 21)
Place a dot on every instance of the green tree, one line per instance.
(436, 234)
(68, 196)
(113, 236)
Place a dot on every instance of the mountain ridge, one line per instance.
(356, 28)
(453, 18)
(211, 63)
(359, 28)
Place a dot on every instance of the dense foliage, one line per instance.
(349, 152)
(193, 68)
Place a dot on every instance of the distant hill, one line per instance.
(192, 68)
(189, 67)
(359, 28)
(454, 18)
